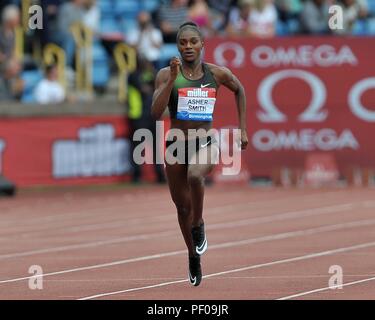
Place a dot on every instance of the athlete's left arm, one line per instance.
(226, 78)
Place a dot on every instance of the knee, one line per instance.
(182, 209)
(195, 178)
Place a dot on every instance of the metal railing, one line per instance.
(126, 60)
(83, 38)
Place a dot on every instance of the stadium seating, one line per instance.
(127, 26)
(293, 26)
(371, 26)
(150, 5)
(128, 9)
(110, 25)
(371, 7)
(120, 17)
(360, 28)
(106, 8)
(281, 29)
(100, 71)
(168, 51)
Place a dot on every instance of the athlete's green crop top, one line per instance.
(193, 99)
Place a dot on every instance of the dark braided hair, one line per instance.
(189, 26)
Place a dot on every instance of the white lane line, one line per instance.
(146, 236)
(86, 212)
(325, 289)
(101, 207)
(97, 266)
(279, 236)
(286, 215)
(225, 225)
(306, 232)
(83, 213)
(257, 266)
(94, 205)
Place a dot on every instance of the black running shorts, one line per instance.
(183, 150)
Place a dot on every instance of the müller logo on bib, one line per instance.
(199, 93)
(196, 104)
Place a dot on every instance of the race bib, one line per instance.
(196, 104)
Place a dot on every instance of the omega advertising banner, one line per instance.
(64, 150)
(304, 95)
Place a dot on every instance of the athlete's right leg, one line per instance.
(179, 189)
(180, 193)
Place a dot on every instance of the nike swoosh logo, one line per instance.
(205, 85)
(204, 145)
(202, 248)
(192, 280)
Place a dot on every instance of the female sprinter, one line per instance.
(185, 82)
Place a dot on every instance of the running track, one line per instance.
(124, 243)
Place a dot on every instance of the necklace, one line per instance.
(189, 73)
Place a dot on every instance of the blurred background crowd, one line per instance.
(44, 65)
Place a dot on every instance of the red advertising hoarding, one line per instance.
(304, 95)
(64, 150)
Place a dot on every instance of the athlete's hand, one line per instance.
(244, 140)
(175, 68)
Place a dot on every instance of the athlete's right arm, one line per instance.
(163, 88)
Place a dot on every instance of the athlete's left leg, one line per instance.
(200, 165)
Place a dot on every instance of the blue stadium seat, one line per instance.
(293, 26)
(168, 51)
(100, 71)
(281, 29)
(371, 27)
(150, 5)
(128, 25)
(106, 8)
(109, 25)
(31, 79)
(371, 7)
(128, 9)
(359, 28)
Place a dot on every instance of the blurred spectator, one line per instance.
(363, 8)
(147, 39)
(5, 3)
(4, 90)
(263, 18)
(69, 13)
(238, 24)
(171, 16)
(49, 90)
(351, 10)
(50, 10)
(10, 21)
(220, 12)
(199, 12)
(91, 16)
(314, 17)
(288, 9)
(11, 84)
(141, 88)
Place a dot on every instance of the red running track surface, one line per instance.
(125, 243)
